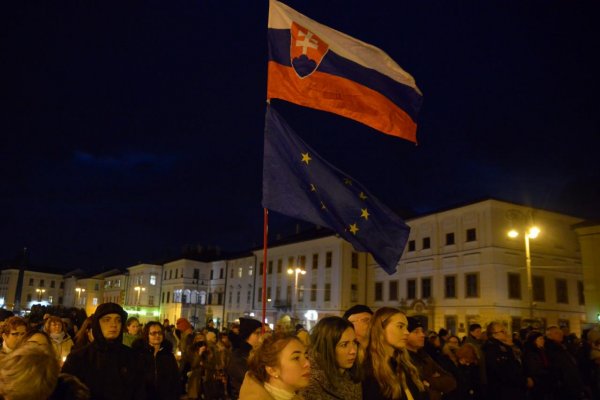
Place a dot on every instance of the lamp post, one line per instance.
(40, 293)
(79, 291)
(530, 233)
(296, 271)
(139, 291)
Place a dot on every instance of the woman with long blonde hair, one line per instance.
(390, 375)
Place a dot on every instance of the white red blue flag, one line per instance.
(316, 66)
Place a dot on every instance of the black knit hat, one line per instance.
(414, 323)
(357, 309)
(102, 310)
(247, 326)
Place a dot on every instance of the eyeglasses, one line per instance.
(157, 333)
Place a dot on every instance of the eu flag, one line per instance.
(299, 183)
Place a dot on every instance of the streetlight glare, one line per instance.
(534, 231)
(290, 271)
(513, 233)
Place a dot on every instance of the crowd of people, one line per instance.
(361, 355)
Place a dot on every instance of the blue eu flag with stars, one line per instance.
(299, 183)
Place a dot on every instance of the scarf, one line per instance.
(278, 394)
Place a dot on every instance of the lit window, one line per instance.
(95, 301)
(153, 280)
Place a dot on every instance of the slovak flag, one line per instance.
(316, 66)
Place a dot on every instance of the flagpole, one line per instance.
(264, 271)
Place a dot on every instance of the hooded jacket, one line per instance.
(161, 370)
(107, 367)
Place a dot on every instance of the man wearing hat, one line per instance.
(250, 331)
(436, 379)
(106, 366)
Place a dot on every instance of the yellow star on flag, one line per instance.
(323, 206)
(353, 229)
(306, 158)
(364, 213)
(348, 181)
(362, 196)
(313, 188)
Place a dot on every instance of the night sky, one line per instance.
(132, 129)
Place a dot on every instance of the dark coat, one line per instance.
(440, 381)
(565, 371)
(505, 377)
(110, 370)
(161, 373)
(237, 368)
(537, 366)
(468, 383)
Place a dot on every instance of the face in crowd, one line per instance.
(361, 325)
(111, 326)
(14, 336)
(416, 339)
(293, 369)
(346, 350)
(133, 328)
(155, 335)
(396, 331)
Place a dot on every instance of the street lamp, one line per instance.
(139, 290)
(530, 233)
(40, 293)
(79, 291)
(295, 271)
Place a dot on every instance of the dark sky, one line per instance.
(130, 129)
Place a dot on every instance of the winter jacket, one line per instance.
(237, 368)
(440, 381)
(344, 388)
(161, 373)
(505, 377)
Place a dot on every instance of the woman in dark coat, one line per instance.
(161, 374)
(537, 366)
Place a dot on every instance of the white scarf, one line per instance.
(278, 394)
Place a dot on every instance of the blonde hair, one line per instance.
(29, 372)
(392, 383)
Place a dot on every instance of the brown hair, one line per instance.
(12, 323)
(267, 354)
(81, 337)
(392, 383)
(468, 352)
(52, 319)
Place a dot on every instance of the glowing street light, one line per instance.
(530, 233)
(79, 291)
(40, 293)
(139, 290)
(295, 271)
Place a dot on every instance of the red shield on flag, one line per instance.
(306, 50)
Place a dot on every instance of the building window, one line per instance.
(514, 286)
(411, 245)
(175, 273)
(260, 269)
(580, 296)
(28, 297)
(328, 259)
(60, 300)
(42, 283)
(411, 289)
(539, 288)
(268, 293)
(219, 299)
(170, 274)
(31, 282)
(315, 262)
(449, 238)
(165, 278)
(301, 294)
(212, 273)
(313, 292)
(238, 297)
(450, 286)
(61, 286)
(426, 243)
(260, 295)
(426, 288)
(270, 271)
(562, 295)
(353, 293)
(162, 300)
(248, 296)
(153, 280)
(231, 272)
(168, 297)
(52, 283)
(250, 270)
(94, 301)
(471, 285)
(150, 300)
(288, 294)
(221, 273)
(50, 299)
(393, 291)
(354, 260)
(471, 235)
(230, 298)
(96, 287)
(450, 323)
(327, 292)
(378, 291)
(280, 264)
(302, 260)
